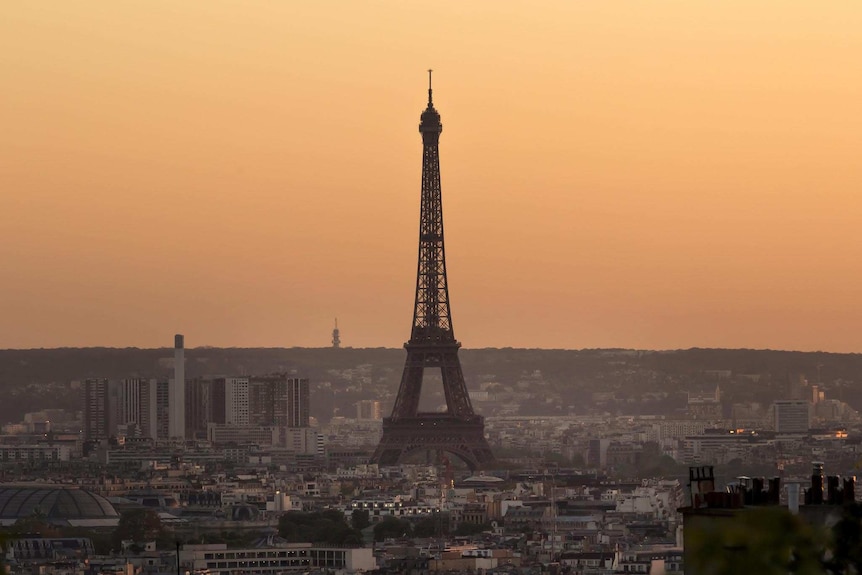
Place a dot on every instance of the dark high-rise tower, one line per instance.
(96, 408)
(432, 341)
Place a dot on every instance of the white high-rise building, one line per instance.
(150, 408)
(131, 405)
(236, 401)
(304, 440)
(177, 392)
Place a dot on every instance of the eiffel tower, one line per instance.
(432, 344)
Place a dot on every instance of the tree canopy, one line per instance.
(360, 519)
(766, 541)
(392, 528)
(137, 525)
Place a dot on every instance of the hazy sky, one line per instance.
(615, 174)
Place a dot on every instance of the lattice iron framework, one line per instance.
(432, 339)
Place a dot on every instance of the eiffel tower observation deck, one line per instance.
(432, 345)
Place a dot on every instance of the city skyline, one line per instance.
(653, 177)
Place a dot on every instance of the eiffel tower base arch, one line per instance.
(463, 437)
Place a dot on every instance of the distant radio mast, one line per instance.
(336, 336)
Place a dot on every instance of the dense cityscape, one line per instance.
(275, 465)
(650, 202)
(617, 467)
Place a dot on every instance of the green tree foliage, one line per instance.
(359, 519)
(103, 541)
(466, 529)
(329, 527)
(230, 538)
(434, 526)
(35, 524)
(765, 541)
(392, 528)
(551, 458)
(659, 466)
(4, 540)
(846, 556)
(138, 525)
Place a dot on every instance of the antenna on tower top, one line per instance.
(430, 102)
(336, 336)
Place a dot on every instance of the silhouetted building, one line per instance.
(796, 387)
(177, 392)
(230, 401)
(279, 400)
(96, 408)
(162, 396)
(298, 403)
(198, 407)
(792, 416)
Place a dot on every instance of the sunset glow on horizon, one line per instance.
(642, 175)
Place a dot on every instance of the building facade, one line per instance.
(792, 416)
(298, 403)
(96, 408)
(177, 392)
(221, 434)
(198, 406)
(368, 410)
(217, 559)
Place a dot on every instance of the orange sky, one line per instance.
(615, 174)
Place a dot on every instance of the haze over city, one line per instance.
(656, 175)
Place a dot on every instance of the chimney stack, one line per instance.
(774, 493)
(849, 491)
(701, 482)
(815, 494)
(833, 492)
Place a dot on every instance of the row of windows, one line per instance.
(645, 567)
(314, 553)
(274, 563)
(28, 455)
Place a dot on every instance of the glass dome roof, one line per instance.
(53, 503)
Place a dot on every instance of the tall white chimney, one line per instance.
(177, 392)
(793, 497)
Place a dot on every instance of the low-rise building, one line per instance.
(35, 452)
(217, 559)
